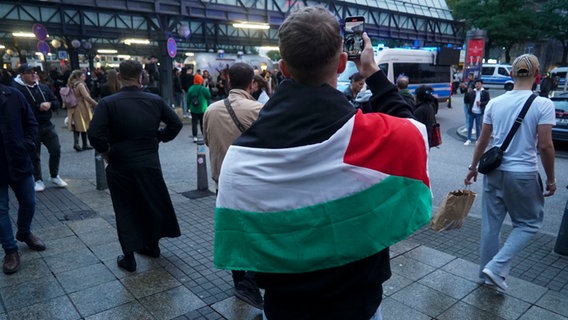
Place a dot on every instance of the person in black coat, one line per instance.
(126, 130)
(18, 131)
(424, 111)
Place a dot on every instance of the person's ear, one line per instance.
(284, 68)
(342, 62)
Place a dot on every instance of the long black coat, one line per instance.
(126, 125)
(18, 131)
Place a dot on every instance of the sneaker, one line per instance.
(194, 139)
(39, 186)
(495, 279)
(59, 182)
(251, 296)
(467, 143)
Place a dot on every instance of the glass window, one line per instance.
(385, 68)
(561, 105)
(487, 71)
(419, 73)
(503, 71)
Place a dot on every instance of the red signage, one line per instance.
(474, 58)
(475, 52)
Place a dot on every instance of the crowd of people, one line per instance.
(288, 136)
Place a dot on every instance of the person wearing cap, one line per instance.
(43, 102)
(518, 176)
(477, 99)
(198, 98)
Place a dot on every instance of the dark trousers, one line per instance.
(48, 136)
(195, 119)
(244, 280)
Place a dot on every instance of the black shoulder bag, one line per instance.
(234, 116)
(492, 158)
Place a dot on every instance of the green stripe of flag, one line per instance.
(322, 236)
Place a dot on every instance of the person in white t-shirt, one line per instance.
(517, 177)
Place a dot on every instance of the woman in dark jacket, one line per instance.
(424, 111)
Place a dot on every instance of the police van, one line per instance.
(497, 76)
(559, 73)
(418, 65)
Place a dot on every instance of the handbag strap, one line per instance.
(234, 116)
(517, 123)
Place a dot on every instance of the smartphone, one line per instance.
(353, 37)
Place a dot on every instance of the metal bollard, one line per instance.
(561, 246)
(202, 183)
(100, 172)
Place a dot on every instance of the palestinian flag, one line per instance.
(318, 206)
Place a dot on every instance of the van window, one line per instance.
(422, 72)
(487, 71)
(560, 74)
(385, 68)
(504, 72)
(350, 69)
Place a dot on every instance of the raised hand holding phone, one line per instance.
(366, 65)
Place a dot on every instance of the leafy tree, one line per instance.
(274, 55)
(507, 22)
(554, 23)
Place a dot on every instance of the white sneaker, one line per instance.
(467, 143)
(194, 139)
(39, 186)
(59, 182)
(497, 280)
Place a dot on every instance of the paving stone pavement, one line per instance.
(434, 274)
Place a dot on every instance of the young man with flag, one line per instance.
(312, 195)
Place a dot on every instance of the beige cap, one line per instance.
(525, 65)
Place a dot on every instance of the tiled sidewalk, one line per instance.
(434, 275)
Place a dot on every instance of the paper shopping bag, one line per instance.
(453, 210)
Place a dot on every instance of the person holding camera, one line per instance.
(314, 192)
(43, 102)
(517, 177)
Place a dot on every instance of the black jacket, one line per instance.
(35, 95)
(18, 131)
(470, 98)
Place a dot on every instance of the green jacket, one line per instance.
(203, 95)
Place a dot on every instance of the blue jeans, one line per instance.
(501, 193)
(25, 193)
(466, 112)
(477, 117)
